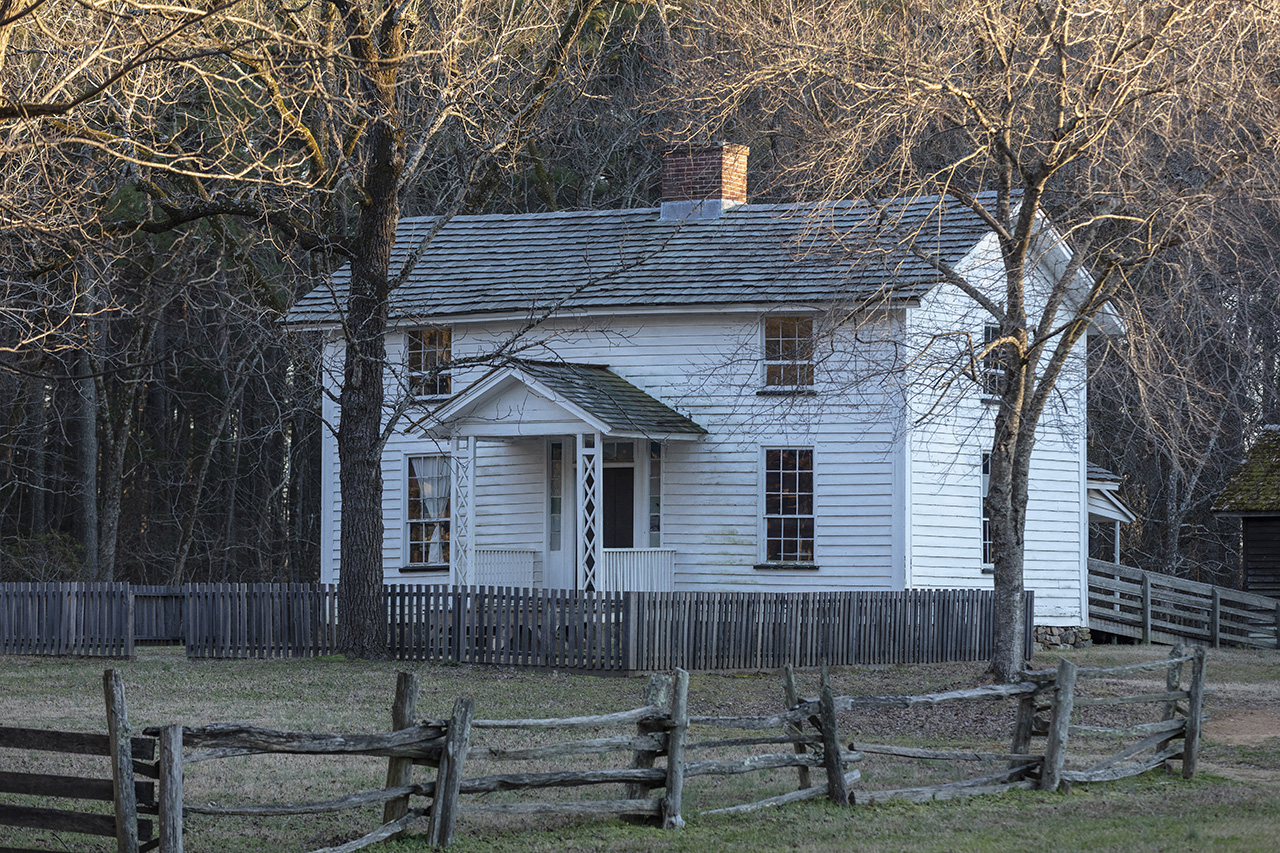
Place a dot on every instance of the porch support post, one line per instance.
(590, 476)
(463, 523)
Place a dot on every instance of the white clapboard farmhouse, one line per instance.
(709, 395)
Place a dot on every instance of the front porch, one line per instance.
(557, 480)
(620, 570)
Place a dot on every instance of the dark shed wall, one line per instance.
(1262, 554)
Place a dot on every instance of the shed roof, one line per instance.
(1255, 486)
(1099, 475)
(549, 262)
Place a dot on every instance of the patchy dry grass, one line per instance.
(1233, 806)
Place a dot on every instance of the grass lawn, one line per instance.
(1233, 804)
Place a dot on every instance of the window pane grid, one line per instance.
(788, 351)
(788, 498)
(427, 353)
(988, 552)
(427, 510)
(991, 371)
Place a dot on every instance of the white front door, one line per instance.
(561, 539)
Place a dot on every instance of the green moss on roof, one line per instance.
(1255, 487)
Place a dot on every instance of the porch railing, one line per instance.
(504, 567)
(637, 570)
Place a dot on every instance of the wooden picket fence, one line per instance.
(607, 632)
(158, 614)
(1149, 606)
(562, 629)
(661, 729)
(90, 619)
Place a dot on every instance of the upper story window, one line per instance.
(991, 368)
(427, 356)
(788, 352)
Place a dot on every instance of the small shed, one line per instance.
(1253, 493)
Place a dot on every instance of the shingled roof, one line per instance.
(621, 405)
(1255, 487)
(756, 254)
(590, 391)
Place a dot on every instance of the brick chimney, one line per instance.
(703, 181)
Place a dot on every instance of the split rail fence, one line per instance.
(1148, 606)
(1053, 704)
(130, 757)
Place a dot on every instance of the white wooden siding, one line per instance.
(946, 472)
(895, 505)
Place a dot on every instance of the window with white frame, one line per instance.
(987, 551)
(427, 355)
(788, 352)
(427, 512)
(788, 505)
(992, 373)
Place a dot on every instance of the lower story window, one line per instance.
(788, 505)
(428, 511)
(988, 552)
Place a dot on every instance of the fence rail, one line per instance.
(1150, 606)
(695, 746)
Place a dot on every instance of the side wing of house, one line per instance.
(951, 435)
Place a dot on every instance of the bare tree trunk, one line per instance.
(86, 455)
(1007, 503)
(362, 625)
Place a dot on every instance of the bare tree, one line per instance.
(1102, 130)
(310, 126)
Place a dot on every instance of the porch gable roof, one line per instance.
(590, 393)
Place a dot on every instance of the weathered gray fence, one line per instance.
(92, 619)
(158, 614)
(235, 620)
(1150, 606)
(711, 630)
(606, 632)
(129, 796)
(663, 729)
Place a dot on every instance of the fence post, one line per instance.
(1028, 624)
(1215, 616)
(400, 770)
(1172, 681)
(837, 790)
(444, 808)
(1146, 608)
(1278, 625)
(1023, 727)
(126, 799)
(795, 729)
(171, 789)
(1055, 752)
(657, 693)
(1195, 715)
(129, 626)
(671, 802)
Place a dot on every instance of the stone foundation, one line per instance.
(1061, 637)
